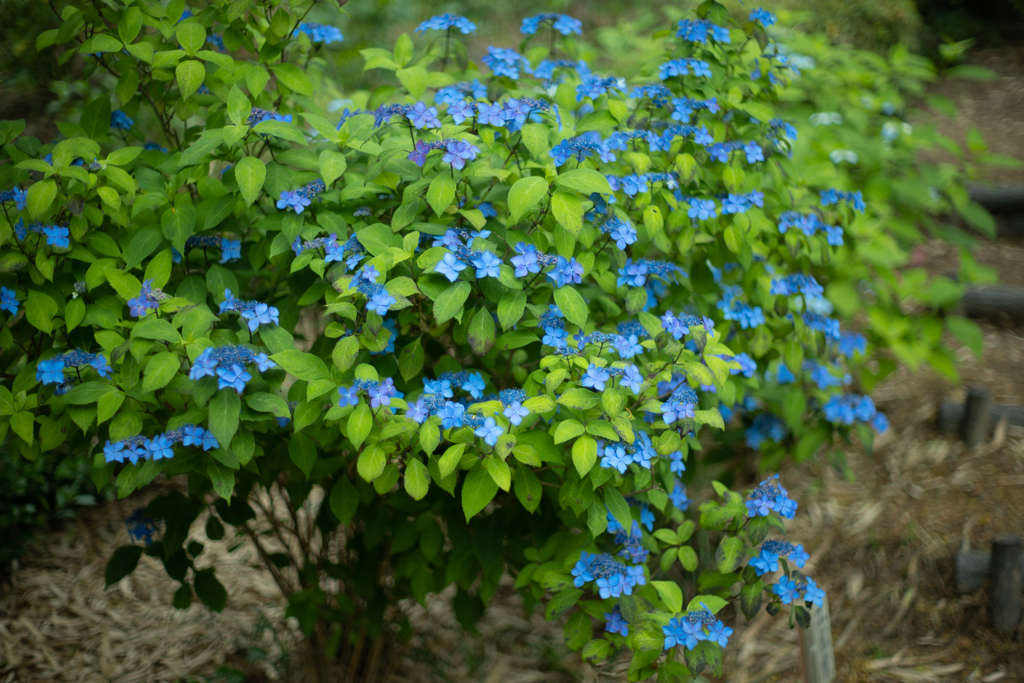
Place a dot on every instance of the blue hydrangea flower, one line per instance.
(458, 152)
(102, 367)
(616, 623)
(487, 265)
(320, 33)
(765, 562)
(382, 394)
(632, 379)
(231, 250)
(515, 413)
(349, 396)
(8, 301)
(719, 633)
(380, 302)
(489, 431)
(676, 464)
(786, 589)
(50, 371)
(444, 22)
(260, 314)
(505, 62)
(562, 23)
(812, 593)
(120, 120)
(234, 376)
(450, 266)
(595, 378)
(421, 116)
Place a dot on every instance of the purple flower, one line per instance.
(419, 155)
(381, 394)
(418, 411)
(349, 396)
(423, 116)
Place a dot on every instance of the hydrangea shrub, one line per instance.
(484, 321)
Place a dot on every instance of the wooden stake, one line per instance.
(817, 657)
(1006, 583)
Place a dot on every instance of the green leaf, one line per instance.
(160, 370)
(524, 195)
(441, 193)
(294, 78)
(572, 305)
(567, 429)
(371, 463)
(584, 454)
(478, 489)
(344, 499)
(239, 107)
(206, 143)
(966, 331)
(281, 129)
(585, 180)
(499, 471)
(268, 403)
(568, 211)
(210, 590)
(688, 558)
(414, 79)
(159, 329)
(88, 392)
(40, 197)
(618, 506)
(222, 477)
(107, 405)
(511, 308)
(23, 424)
(712, 602)
(360, 422)
(729, 554)
(190, 75)
(302, 365)
(40, 310)
(751, 598)
(332, 166)
(417, 479)
(74, 313)
(177, 224)
(527, 488)
(302, 453)
(191, 36)
(250, 173)
(379, 239)
(449, 303)
(225, 409)
(121, 564)
(670, 594)
(142, 245)
(410, 360)
(481, 332)
(709, 417)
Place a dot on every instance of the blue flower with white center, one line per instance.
(515, 413)
(812, 593)
(683, 632)
(451, 415)
(489, 431)
(159, 447)
(616, 623)
(260, 314)
(475, 385)
(382, 394)
(505, 62)
(765, 562)
(595, 378)
(614, 456)
(450, 266)
(418, 411)
(349, 396)
(50, 371)
(8, 301)
(380, 302)
(632, 379)
(487, 265)
(444, 22)
(234, 376)
(566, 272)
(458, 152)
(421, 116)
(113, 452)
(719, 633)
(786, 589)
(627, 347)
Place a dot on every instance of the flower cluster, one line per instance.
(636, 274)
(301, 198)
(700, 30)
(848, 409)
(789, 589)
(733, 309)
(147, 300)
(228, 365)
(256, 313)
(616, 623)
(620, 231)
(230, 250)
(763, 17)
(612, 578)
(506, 62)
(52, 371)
(619, 455)
(321, 33)
(798, 283)
(684, 67)
(834, 196)
(512, 401)
(159, 447)
(380, 393)
(770, 495)
(693, 627)
(562, 23)
(680, 405)
(810, 224)
(684, 107)
(120, 120)
(772, 551)
(595, 86)
(458, 92)
(257, 116)
(447, 21)
(460, 256)
(16, 195)
(378, 299)
(56, 235)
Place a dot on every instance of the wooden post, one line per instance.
(1006, 583)
(974, 428)
(817, 658)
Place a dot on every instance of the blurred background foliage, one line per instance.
(35, 86)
